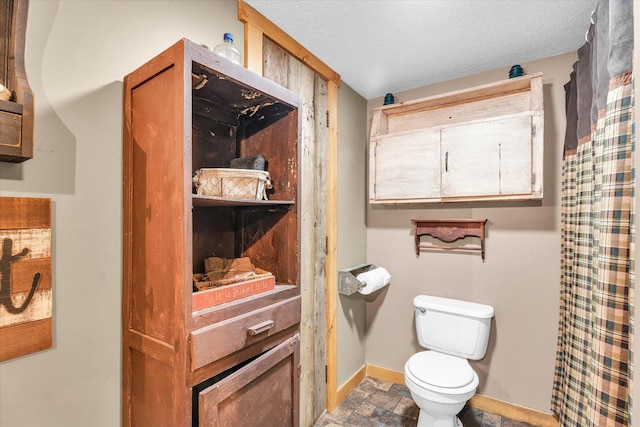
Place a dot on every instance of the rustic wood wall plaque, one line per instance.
(25, 276)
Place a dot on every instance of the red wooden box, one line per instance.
(222, 294)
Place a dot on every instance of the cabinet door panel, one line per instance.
(487, 159)
(470, 161)
(262, 393)
(515, 156)
(407, 166)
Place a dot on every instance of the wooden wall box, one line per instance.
(219, 295)
(17, 114)
(186, 360)
(483, 143)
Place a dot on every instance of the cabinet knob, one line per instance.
(260, 328)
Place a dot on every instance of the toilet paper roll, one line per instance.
(373, 280)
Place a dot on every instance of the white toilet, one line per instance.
(440, 379)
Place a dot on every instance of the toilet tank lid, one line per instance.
(448, 305)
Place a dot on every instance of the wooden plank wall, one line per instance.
(257, 31)
(293, 74)
(320, 245)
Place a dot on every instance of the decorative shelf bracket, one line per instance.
(449, 230)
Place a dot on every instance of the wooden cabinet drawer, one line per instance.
(262, 393)
(10, 129)
(213, 342)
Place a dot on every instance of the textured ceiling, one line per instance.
(380, 46)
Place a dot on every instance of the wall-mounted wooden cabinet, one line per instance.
(16, 113)
(187, 364)
(484, 143)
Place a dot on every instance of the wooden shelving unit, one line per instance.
(190, 360)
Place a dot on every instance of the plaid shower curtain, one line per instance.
(593, 364)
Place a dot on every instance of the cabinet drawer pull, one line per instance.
(446, 162)
(260, 328)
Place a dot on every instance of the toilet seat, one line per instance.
(441, 373)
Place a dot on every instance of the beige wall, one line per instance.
(77, 53)
(520, 276)
(352, 232)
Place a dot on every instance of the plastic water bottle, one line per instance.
(226, 49)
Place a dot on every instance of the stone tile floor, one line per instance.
(375, 403)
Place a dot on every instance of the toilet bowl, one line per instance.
(440, 385)
(440, 379)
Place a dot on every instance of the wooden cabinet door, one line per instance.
(407, 166)
(516, 166)
(487, 159)
(262, 393)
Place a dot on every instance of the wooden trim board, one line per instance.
(331, 262)
(513, 411)
(257, 22)
(478, 401)
(256, 27)
(351, 383)
(384, 374)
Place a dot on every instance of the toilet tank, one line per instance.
(455, 327)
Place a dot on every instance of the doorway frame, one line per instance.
(256, 26)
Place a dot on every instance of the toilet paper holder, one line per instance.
(348, 283)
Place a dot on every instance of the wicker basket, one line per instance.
(245, 184)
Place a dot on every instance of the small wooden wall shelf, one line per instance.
(449, 230)
(17, 114)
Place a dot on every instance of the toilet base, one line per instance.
(426, 420)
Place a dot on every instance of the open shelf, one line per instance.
(211, 201)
